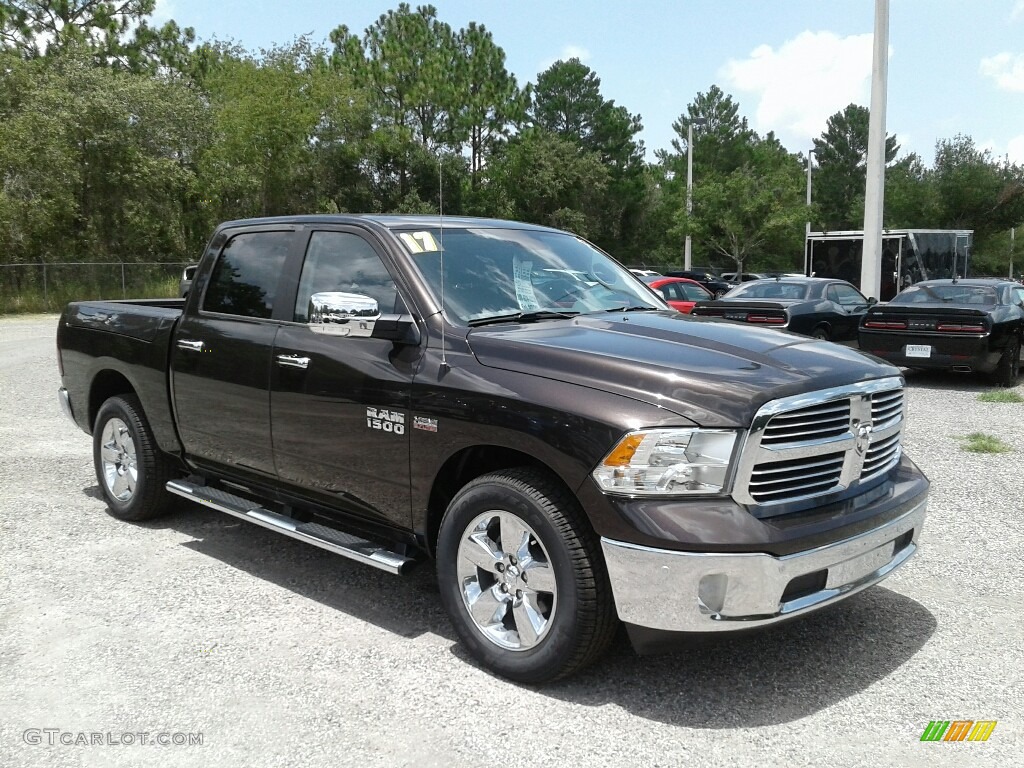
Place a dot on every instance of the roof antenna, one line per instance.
(440, 210)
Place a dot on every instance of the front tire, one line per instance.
(1008, 370)
(130, 468)
(522, 577)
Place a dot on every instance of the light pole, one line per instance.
(807, 230)
(1013, 232)
(687, 252)
(874, 187)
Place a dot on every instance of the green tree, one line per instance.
(116, 33)
(742, 213)
(405, 62)
(841, 155)
(265, 113)
(493, 104)
(722, 139)
(567, 102)
(911, 201)
(723, 143)
(98, 163)
(36, 27)
(976, 191)
(543, 178)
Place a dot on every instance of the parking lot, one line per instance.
(280, 654)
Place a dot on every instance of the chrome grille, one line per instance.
(811, 423)
(881, 456)
(886, 408)
(819, 443)
(775, 480)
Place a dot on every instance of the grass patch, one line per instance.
(979, 442)
(1000, 396)
(90, 284)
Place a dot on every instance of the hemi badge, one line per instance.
(422, 422)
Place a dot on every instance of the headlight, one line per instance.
(668, 462)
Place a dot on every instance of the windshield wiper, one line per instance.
(521, 317)
(638, 308)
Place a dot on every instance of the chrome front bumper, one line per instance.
(697, 592)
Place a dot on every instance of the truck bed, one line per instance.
(129, 341)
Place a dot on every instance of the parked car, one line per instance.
(716, 285)
(818, 307)
(347, 382)
(679, 292)
(731, 277)
(974, 325)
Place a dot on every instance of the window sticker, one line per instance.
(420, 242)
(522, 273)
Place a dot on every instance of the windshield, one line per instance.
(769, 289)
(493, 273)
(946, 294)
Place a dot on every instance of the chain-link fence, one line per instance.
(48, 287)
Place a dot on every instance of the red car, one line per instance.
(680, 292)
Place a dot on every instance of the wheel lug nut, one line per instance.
(500, 567)
(519, 594)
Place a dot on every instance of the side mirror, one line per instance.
(872, 301)
(334, 313)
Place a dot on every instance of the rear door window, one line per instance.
(244, 280)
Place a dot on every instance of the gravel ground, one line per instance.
(281, 654)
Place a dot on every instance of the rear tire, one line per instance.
(1008, 370)
(522, 577)
(821, 332)
(130, 468)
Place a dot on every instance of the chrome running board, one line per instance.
(332, 540)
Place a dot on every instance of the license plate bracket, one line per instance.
(860, 566)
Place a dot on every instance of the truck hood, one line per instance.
(711, 372)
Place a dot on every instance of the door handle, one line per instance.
(293, 361)
(191, 346)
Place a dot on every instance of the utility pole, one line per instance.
(687, 251)
(807, 230)
(1013, 231)
(874, 190)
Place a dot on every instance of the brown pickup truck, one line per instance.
(507, 401)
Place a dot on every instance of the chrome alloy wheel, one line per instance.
(506, 579)
(120, 465)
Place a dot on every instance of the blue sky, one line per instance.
(954, 67)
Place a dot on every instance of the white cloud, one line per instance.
(165, 10)
(1018, 10)
(1006, 69)
(568, 52)
(1015, 149)
(804, 82)
(575, 52)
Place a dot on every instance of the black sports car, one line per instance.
(813, 306)
(974, 325)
